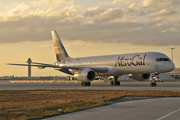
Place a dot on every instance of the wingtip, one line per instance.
(52, 31)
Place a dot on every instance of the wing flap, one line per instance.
(96, 69)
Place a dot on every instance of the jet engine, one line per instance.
(86, 75)
(139, 77)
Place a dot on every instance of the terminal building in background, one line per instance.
(175, 73)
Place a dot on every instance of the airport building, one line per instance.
(175, 73)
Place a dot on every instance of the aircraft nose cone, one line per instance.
(173, 66)
(170, 66)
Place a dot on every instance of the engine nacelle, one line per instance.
(139, 77)
(86, 75)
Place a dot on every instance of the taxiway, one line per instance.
(7, 85)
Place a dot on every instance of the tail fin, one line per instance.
(60, 51)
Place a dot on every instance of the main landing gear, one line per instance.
(85, 84)
(153, 84)
(115, 81)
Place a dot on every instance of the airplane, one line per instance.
(139, 66)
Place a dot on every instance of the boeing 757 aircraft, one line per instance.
(139, 66)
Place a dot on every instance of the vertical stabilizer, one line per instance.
(60, 51)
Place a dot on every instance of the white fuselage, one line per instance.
(134, 63)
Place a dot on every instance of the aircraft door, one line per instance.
(77, 61)
(148, 60)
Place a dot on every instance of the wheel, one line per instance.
(86, 83)
(154, 85)
(151, 84)
(111, 83)
(115, 83)
(82, 83)
(89, 84)
(118, 83)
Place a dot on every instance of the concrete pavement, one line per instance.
(147, 109)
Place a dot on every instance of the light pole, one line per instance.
(172, 53)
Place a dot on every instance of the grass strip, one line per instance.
(38, 104)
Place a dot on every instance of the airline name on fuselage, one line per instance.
(135, 61)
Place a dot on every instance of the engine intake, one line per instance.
(139, 77)
(86, 75)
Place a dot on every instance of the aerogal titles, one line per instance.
(135, 61)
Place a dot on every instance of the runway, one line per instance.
(148, 109)
(173, 86)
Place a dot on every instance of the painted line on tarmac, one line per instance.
(168, 114)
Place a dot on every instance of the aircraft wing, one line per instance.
(43, 65)
(96, 69)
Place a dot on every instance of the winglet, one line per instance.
(60, 51)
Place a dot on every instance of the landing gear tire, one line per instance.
(115, 83)
(88, 84)
(118, 83)
(82, 83)
(85, 84)
(153, 84)
(111, 83)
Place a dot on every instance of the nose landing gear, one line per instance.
(153, 84)
(153, 80)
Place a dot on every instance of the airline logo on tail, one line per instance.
(60, 51)
(134, 61)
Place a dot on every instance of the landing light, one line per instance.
(60, 65)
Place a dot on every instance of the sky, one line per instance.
(86, 28)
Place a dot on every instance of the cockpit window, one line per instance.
(165, 59)
(162, 59)
(159, 59)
